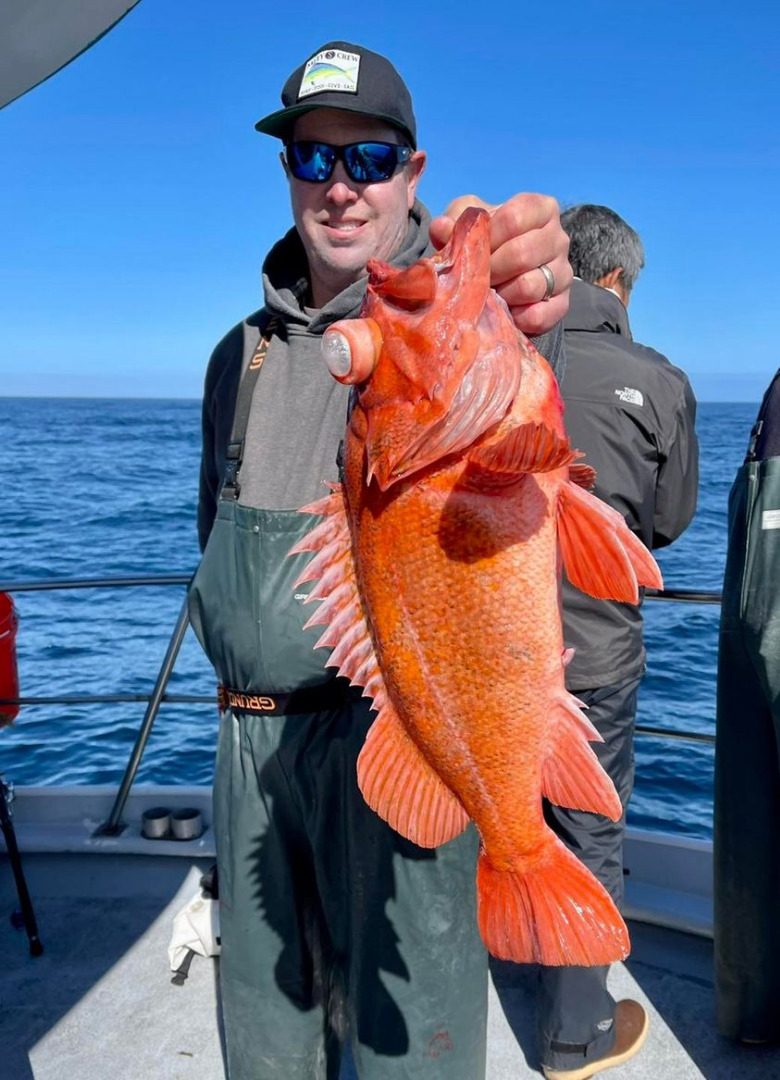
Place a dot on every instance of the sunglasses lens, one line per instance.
(369, 162)
(365, 162)
(311, 160)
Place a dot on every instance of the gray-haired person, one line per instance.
(632, 413)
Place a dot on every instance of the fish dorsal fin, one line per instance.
(399, 784)
(394, 777)
(601, 555)
(340, 611)
(571, 773)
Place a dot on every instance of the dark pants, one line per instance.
(333, 927)
(747, 764)
(575, 1009)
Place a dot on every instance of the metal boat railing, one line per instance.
(158, 696)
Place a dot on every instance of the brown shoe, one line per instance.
(631, 1026)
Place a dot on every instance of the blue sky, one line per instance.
(137, 201)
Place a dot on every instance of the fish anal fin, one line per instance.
(526, 448)
(551, 912)
(572, 775)
(601, 555)
(399, 784)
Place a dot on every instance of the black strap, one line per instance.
(765, 436)
(231, 485)
(309, 699)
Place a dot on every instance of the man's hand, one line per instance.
(525, 232)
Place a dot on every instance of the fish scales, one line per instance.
(457, 632)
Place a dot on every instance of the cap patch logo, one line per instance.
(330, 69)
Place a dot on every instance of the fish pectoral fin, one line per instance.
(601, 555)
(525, 449)
(572, 775)
(399, 784)
(552, 912)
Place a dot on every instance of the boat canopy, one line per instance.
(39, 37)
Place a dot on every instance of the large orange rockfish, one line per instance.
(438, 567)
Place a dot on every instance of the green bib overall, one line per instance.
(747, 763)
(334, 929)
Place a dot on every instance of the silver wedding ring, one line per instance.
(549, 281)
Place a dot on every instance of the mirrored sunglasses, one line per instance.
(365, 162)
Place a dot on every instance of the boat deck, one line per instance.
(100, 1003)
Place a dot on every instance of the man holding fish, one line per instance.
(336, 927)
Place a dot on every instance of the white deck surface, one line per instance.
(99, 1003)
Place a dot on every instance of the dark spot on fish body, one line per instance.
(490, 482)
(475, 525)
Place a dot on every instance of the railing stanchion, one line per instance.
(112, 825)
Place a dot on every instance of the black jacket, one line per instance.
(632, 413)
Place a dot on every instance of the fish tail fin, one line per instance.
(601, 555)
(553, 912)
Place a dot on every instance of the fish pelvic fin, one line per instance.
(399, 784)
(572, 775)
(601, 555)
(553, 912)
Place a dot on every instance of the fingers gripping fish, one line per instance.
(438, 576)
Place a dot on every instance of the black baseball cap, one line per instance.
(344, 76)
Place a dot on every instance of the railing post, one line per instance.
(112, 827)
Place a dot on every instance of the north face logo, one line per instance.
(632, 397)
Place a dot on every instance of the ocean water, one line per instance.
(96, 488)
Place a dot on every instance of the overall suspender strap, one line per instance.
(231, 485)
(752, 445)
(764, 443)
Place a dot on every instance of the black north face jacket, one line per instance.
(632, 413)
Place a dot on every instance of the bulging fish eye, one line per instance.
(351, 348)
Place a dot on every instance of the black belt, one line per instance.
(329, 695)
